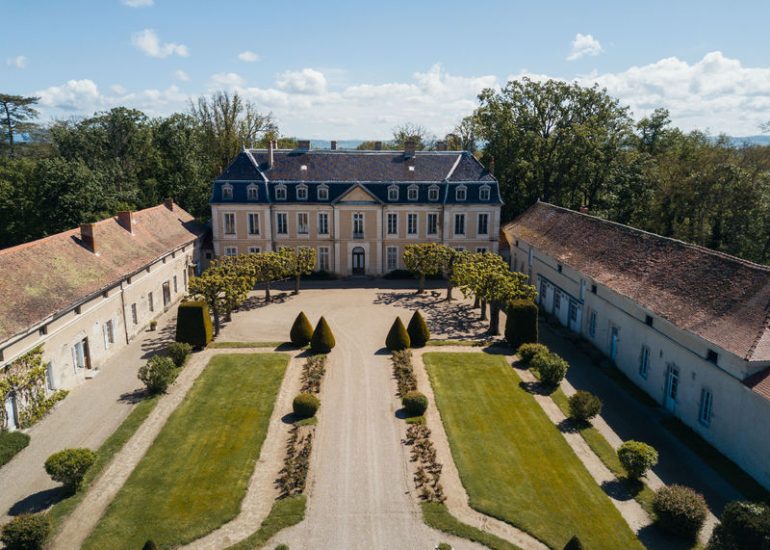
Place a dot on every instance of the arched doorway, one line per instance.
(358, 261)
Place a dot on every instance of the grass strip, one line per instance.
(465, 343)
(196, 473)
(284, 513)
(437, 516)
(11, 443)
(239, 345)
(514, 463)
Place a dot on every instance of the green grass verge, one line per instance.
(513, 462)
(196, 472)
(284, 513)
(466, 343)
(238, 345)
(11, 443)
(437, 516)
(104, 455)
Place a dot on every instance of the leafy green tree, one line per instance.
(16, 115)
(409, 130)
(298, 261)
(269, 267)
(424, 259)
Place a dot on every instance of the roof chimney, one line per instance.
(126, 219)
(492, 165)
(303, 144)
(334, 145)
(270, 154)
(584, 209)
(87, 235)
(378, 146)
(410, 146)
(169, 203)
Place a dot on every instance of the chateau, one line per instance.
(358, 209)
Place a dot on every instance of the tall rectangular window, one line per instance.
(483, 224)
(459, 224)
(358, 224)
(392, 224)
(176, 288)
(134, 315)
(229, 218)
(592, 324)
(411, 224)
(253, 219)
(706, 405)
(644, 361)
(150, 301)
(392, 258)
(323, 223)
(282, 223)
(432, 223)
(302, 223)
(109, 334)
(323, 258)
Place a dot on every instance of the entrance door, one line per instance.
(672, 388)
(614, 334)
(80, 355)
(358, 261)
(10, 412)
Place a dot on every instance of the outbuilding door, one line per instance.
(10, 412)
(614, 338)
(672, 388)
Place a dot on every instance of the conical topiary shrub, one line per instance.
(418, 331)
(323, 339)
(398, 338)
(150, 545)
(574, 544)
(301, 331)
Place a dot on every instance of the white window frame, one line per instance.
(428, 231)
(393, 193)
(280, 192)
(644, 361)
(391, 258)
(323, 227)
(433, 193)
(705, 406)
(281, 217)
(253, 188)
(461, 189)
(322, 192)
(253, 228)
(479, 216)
(225, 217)
(485, 192)
(323, 258)
(302, 192)
(412, 224)
(459, 217)
(227, 192)
(392, 216)
(303, 228)
(231, 251)
(412, 193)
(108, 329)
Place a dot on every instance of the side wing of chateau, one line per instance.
(686, 324)
(358, 209)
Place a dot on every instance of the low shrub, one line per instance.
(68, 467)
(179, 352)
(574, 544)
(282, 547)
(301, 331)
(415, 403)
(418, 331)
(444, 546)
(193, 324)
(680, 510)
(527, 352)
(305, 405)
(636, 458)
(742, 525)
(157, 374)
(551, 368)
(26, 532)
(521, 323)
(399, 274)
(11, 443)
(323, 338)
(404, 372)
(583, 406)
(398, 338)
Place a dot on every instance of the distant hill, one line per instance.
(341, 143)
(750, 140)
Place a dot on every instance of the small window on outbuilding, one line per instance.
(558, 268)
(593, 289)
(712, 356)
(42, 331)
(648, 320)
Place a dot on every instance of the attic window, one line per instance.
(42, 331)
(323, 193)
(712, 356)
(227, 192)
(302, 192)
(460, 193)
(484, 193)
(648, 320)
(252, 192)
(433, 193)
(393, 193)
(280, 193)
(412, 192)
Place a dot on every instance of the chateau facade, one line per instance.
(358, 209)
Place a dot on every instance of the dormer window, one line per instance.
(433, 193)
(252, 192)
(227, 192)
(280, 192)
(323, 193)
(302, 192)
(484, 193)
(412, 193)
(393, 193)
(461, 192)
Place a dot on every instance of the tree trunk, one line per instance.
(494, 319)
(296, 284)
(483, 310)
(267, 292)
(421, 287)
(216, 321)
(449, 288)
(476, 302)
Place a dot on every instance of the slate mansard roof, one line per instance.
(341, 170)
(721, 298)
(43, 278)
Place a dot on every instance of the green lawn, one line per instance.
(284, 513)
(195, 475)
(437, 516)
(514, 463)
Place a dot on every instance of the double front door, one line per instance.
(358, 261)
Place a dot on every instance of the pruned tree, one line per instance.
(223, 286)
(269, 267)
(298, 261)
(17, 113)
(424, 259)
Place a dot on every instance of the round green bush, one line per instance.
(583, 406)
(69, 466)
(551, 368)
(26, 532)
(680, 510)
(418, 331)
(323, 338)
(305, 405)
(179, 352)
(398, 338)
(282, 547)
(444, 546)
(527, 352)
(637, 457)
(157, 374)
(415, 403)
(742, 525)
(521, 323)
(301, 331)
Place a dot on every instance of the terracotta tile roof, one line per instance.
(721, 298)
(760, 383)
(41, 278)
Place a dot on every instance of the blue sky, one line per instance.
(336, 69)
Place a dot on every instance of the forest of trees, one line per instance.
(555, 141)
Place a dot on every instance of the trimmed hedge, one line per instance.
(26, 532)
(11, 443)
(583, 406)
(637, 457)
(742, 525)
(301, 331)
(398, 338)
(521, 323)
(179, 352)
(305, 405)
(551, 368)
(418, 331)
(69, 466)
(323, 338)
(527, 352)
(157, 374)
(680, 510)
(415, 403)
(193, 324)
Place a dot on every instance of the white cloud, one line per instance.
(147, 41)
(306, 81)
(84, 97)
(179, 74)
(583, 45)
(248, 56)
(227, 80)
(118, 89)
(136, 3)
(19, 61)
